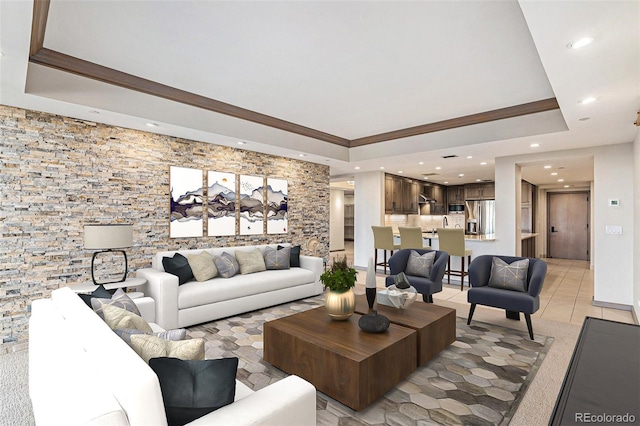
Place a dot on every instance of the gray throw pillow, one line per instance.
(119, 299)
(175, 335)
(277, 258)
(202, 266)
(420, 265)
(250, 261)
(120, 318)
(509, 276)
(226, 264)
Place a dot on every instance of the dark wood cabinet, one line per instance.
(480, 191)
(410, 196)
(400, 195)
(455, 194)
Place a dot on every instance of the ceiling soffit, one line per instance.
(60, 61)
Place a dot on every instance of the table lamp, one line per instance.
(108, 238)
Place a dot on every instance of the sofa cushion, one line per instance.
(119, 299)
(153, 347)
(420, 265)
(191, 389)
(227, 265)
(178, 265)
(216, 290)
(100, 292)
(250, 261)
(509, 276)
(294, 259)
(202, 266)
(277, 258)
(175, 334)
(119, 318)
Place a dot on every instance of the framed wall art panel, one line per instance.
(186, 202)
(251, 198)
(221, 207)
(277, 199)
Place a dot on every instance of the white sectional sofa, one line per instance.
(82, 373)
(179, 306)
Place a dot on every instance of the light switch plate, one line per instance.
(613, 230)
(614, 203)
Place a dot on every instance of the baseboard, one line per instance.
(611, 305)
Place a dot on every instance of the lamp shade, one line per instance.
(105, 237)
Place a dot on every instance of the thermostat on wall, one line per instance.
(614, 203)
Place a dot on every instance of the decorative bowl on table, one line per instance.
(397, 298)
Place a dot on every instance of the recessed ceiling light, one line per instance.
(446, 181)
(560, 180)
(242, 143)
(581, 42)
(584, 119)
(400, 171)
(484, 163)
(357, 167)
(381, 167)
(554, 174)
(534, 145)
(587, 100)
(302, 155)
(478, 180)
(461, 175)
(547, 167)
(421, 163)
(438, 168)
(152, 125)
(567, 186)
(469, 157)
(425, 177)
(351, 182)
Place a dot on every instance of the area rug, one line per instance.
(479, 380)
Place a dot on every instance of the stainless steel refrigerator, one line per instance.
(481, 217)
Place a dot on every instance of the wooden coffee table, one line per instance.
(435, 325)
(339, 359)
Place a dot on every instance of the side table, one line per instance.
(131, 283)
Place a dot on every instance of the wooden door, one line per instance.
(568, 222)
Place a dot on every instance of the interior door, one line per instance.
(568, 233)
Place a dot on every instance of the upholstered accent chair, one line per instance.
(425, 285)
(513, 301)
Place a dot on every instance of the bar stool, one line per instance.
(451, 240)
(383, 240)
(411, 238)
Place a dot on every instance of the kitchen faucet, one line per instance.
(445, 221)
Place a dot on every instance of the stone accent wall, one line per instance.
(59, 173)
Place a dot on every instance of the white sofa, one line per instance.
(82, 373)
(179, 306)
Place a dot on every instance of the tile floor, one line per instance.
(566, 296)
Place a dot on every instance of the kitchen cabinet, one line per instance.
(527, 190)
(437, 199)
(480, 191)
(455, 194)
(400, 195)
(348, 222)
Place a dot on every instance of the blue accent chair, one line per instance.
(424, 286)
(513, 302)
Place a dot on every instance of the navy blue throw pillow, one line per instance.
(100, 293)
(294, 257)
(191, 389)
(178, 265)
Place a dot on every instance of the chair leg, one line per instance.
(462, 274)
(375, 257)
(385, 262)
(473, 308)
(527, 317)
(427, 298)
(449, 270)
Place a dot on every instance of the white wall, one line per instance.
(369, 211)
(336, 220)
(636, 225)
(508, 200)
(613, 179)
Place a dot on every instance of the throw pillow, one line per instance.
(175, 335)
(191, 389)
(100, 292)
(420, 265)
(509, 276)
(294, 260)
(153, 347)
(178, 265)
(227, 265)
(202, 266)
(119, 299)
(277, 258)
(250, 261)
(119, 318)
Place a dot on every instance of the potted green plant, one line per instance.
(340, 279)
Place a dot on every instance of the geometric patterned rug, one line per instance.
(478, 380)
